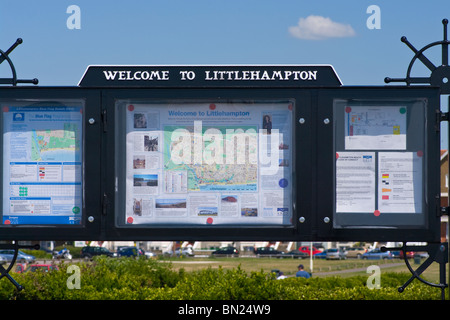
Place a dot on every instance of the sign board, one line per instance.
(200, 163)
(385, 173)
(42, 163)
(210, 153)
(49, 172)
(210, 76)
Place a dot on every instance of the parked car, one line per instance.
(88, 252)
(307, 249)
(298, 254)
(150, 254)
(268, 251)
(132, 251)
(22, 257)
(41, 267)
(188, 251)
(129, 252)
(336, 254)
(320, 255)
(377, 254)
(226, 252)
(355, 252)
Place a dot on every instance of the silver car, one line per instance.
(336, 254)
(22, 257)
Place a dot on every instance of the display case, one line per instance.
(50, 181)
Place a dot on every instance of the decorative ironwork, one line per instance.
(15, 246)
(440, 75)
(4, 55)
(437, 252)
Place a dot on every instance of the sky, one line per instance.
(359, 38)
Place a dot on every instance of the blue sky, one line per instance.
(156, 32)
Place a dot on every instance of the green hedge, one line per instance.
(141, 279)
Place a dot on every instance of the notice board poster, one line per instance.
(42, 163)
(380, 160)
(208, 163)
(398, 178)
(370, 128)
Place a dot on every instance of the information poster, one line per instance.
(378, 172)
(42, 164)
(355, 181)
(209, 163)
(394, 185)
(400, 182)
(371, 128)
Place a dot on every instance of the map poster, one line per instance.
(209, 163)
(371, 128)
(42, 164)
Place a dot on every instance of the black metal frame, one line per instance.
(302, 195)
(326, 163)
(314, 167)
(90, 225)
(314, 163)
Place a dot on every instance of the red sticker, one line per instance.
(7, 222)
(212, 106)
(130, 107)
(290, 106)
(5, 109)
(337, 155)
(348, 109)
(209, 220)
(376, 213)
(130, 220)
(420, 153)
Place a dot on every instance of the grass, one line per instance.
(320, 267)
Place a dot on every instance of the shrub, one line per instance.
(141, 279)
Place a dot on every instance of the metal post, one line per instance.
(448, 201)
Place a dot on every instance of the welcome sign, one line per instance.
(215, 76)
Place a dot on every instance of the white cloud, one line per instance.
(319, 28)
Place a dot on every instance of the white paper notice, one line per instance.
(355, 182)
(399, 182)
(369, 128)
